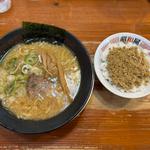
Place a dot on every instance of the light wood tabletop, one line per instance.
(108, 121)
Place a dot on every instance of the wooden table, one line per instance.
(108, 122)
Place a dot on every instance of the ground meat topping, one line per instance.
(128, 67)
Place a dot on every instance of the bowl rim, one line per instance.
(100, 76)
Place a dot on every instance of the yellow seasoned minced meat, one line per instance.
(127, 67)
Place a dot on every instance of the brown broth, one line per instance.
(45, 61)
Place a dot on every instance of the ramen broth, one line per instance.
(38, 80)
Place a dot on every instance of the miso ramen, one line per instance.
(38, 80)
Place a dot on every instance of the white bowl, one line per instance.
(114, 39)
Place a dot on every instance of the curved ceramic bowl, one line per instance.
(114, 39)
(61, 36)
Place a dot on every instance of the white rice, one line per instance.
(103, 66)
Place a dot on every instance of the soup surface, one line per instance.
(38, 80)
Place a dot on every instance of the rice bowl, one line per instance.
(100, 62)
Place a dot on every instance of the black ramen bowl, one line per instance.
(31, 32)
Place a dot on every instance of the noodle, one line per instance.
(43, 80)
